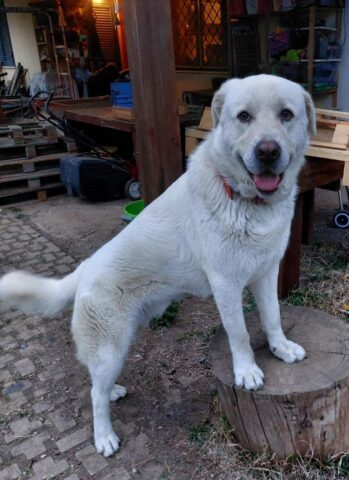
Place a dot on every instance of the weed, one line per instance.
(167, 319)
(199, 433)
(18, 212)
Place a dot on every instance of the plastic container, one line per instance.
(121, 94)
(131, 210)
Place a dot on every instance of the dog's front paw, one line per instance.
(107, 445)
(288, 351)
(250, 377)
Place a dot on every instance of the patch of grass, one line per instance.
(249, 303)
(167, 319)
(306, 296)
(205, 336)
(18, 212)
(199, 433)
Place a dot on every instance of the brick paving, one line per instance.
(45, 410)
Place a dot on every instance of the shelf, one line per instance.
(41, 43)
(322, 60)
(328, 29)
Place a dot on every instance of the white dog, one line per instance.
(222, 226)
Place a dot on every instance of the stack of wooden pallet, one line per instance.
(331, 141)
(30, 153)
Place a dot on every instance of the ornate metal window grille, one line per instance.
(199, 33)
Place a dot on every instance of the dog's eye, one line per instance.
(286, 115)
(244, 117)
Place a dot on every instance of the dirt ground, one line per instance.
(171, 424)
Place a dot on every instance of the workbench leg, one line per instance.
(290, 264)
(308, 217)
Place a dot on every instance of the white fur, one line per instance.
(193, 239)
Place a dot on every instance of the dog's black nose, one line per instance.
(267, 151)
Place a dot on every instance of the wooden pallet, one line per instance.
(31, 169)
(331, 141)
(13, 135)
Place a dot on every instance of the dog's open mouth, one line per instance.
(267, 182)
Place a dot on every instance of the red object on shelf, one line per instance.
(236, 8)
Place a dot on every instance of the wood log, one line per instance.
(303, 407)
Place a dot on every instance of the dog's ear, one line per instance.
(311, 113)
(217, 103)
(216, 107)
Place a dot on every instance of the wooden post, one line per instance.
(151, 59)
(290, 264)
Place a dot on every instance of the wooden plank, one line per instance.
(28, 176)
(318, 172)
(190, 144)
(336, 146)
(332, 113)
(206, 119)
(42, 158)
(15, 191)
(196, 132)
(341, 134)
(329, 153)
(158, 154)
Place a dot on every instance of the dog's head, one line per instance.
(261, 130)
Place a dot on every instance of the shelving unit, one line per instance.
(311, 60)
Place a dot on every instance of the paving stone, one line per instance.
(21, 428)
(136, 449)
(151, 471)
(5, 376)
(118, 474)
(63, 269)
(8, 342)
(74, 439)
(62, 419)
(91, 460)
(32, 447)
(10, 473)
(14, 402)
(47, 404)
(47, 468)
(72, 477)
(25, 367)
(5, 359)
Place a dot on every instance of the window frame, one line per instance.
(200, 66)
(7, 59)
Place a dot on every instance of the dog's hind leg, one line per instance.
(102, 335)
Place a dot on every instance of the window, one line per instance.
(6, 54)
(199, 34)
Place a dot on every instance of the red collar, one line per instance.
(229, 191)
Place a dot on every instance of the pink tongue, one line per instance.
(266, 182)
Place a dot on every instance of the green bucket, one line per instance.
(131, 210)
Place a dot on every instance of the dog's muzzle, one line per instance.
(267, 155)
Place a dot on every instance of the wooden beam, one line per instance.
(151, 58)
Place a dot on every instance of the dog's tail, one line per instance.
(34, 294)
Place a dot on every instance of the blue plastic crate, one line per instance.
(121, 94)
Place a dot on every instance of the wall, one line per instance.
(22, 34)
(195, 80)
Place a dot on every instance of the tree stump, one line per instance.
(303, 407)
